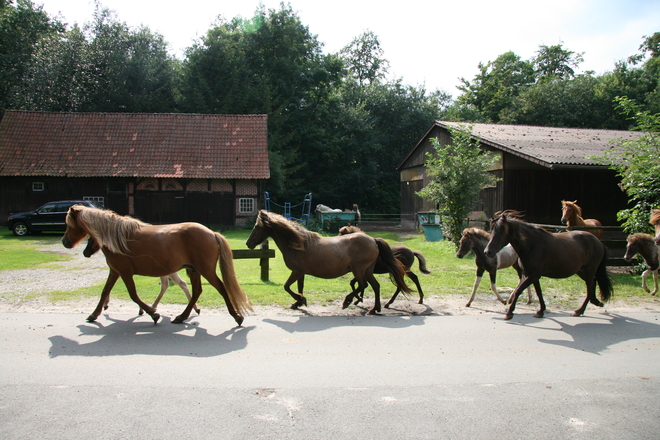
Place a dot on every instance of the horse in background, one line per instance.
(406, 257)
(553, 255)
(655, 221)
(132, 247)
(93, 247)
(475, 240)
(571, 215)
(644, 245)
(306, 252)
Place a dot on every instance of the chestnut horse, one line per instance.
(475, 240)
(655, 221)
(644, 245)
(406, 257)
(306, 252)
(93, 247)
(571, 215)
(553, 255)
(132, 247)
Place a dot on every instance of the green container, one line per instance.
(432, 232)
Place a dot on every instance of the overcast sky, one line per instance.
(430, 43)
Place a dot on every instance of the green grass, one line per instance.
(450, 276)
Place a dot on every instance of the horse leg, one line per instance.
(475, 286)
(645, 274)
(655, 282)
(389, 303)
(591, 297)
(184, 286)
(164, 284)
(130, 286)
(196, 282)
(415, 279)
(524, 283)
(371, 279)
(105, 295)
(493, 286)
(356, 293)
(541, 311)
(359, 298)
(300, 299)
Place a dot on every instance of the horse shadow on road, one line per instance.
(122, 338)
(596, 337)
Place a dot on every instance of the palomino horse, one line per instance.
(475, 240)
(93, 247)
(644, 245)
(655, 221)
(555, 255)
(571, 215)
(132, 247)
(306, 252)
(406, 257)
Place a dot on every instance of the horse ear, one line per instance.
(575, 202)
(263, 217)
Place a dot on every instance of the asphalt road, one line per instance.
(338, 377)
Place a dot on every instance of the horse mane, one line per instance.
(517, 217)
(655, 216)
(478, 232)
(106, 227)
(641, 239)
(295, 235)
(574, 206)
(345, 230)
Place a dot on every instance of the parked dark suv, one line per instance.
(48, 217)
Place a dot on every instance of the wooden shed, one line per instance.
(538, 166)
(161, 168)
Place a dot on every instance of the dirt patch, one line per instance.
(18, 288)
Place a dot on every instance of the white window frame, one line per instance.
(246, 205)
(38, 186)
(97, 199)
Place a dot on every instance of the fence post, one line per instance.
(263, 262)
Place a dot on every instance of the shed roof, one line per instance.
(551, 147)
(134, 145)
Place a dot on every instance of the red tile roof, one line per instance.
(134, 145)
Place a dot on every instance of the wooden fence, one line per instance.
(264, 253)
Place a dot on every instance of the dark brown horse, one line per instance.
(545, 254)
(571, 215)
(306, 252)
(93, 247)
(644, 245)
(406, 257)
(475, 240)
(132, 247)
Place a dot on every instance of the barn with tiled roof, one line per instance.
(162, 168)
(538, 166)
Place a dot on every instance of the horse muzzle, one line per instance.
(66, 243)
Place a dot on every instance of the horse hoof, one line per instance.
(372, 312)
(294, 306)
(538, 315)
(239, 320)
(468, 304)
(577, 313)
(141, 312)
(91, 318)
(178, 320)
(155, 317)
(508, 316)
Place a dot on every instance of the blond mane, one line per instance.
(655, 216)
(109, 229)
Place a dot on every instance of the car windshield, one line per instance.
(47, 208)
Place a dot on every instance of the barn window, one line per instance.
(38, 186)
(245, 206)
(98, 200)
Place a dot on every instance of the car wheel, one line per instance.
(20, 229)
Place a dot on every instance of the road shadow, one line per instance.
(311, 323)
(596, 337)
(123, 338)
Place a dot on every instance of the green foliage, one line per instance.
(555, 62)
(458, 171)
(637, 162)
(364, 58)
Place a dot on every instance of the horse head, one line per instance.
(569, 211)
(260, 231)
(74, 232)
(655, 221)
(91, 248)
(501, 231)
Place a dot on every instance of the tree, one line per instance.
(364, 58)
(497, 85)
(458, 172)
(555, 62)
(637, 162)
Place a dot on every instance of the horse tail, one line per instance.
(422, 262)
(603, 279)
(237, 296)
(394, 266)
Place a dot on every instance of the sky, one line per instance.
(430, 43)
